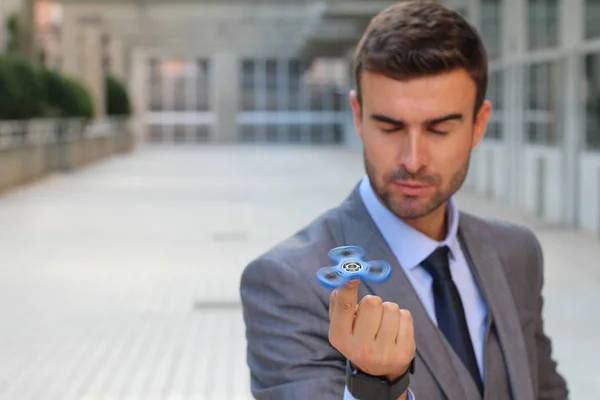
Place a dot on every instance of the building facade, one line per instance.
(542, 151)
(280, 72)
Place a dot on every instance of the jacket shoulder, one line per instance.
(516, 245)
(504, 233)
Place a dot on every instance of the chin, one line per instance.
(411, 212)
(409, 208)
(414, 207)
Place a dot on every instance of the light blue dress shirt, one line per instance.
(411, 248)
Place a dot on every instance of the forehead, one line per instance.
(418, 98)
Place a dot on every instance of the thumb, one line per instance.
(344, 304)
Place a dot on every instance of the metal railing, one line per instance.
(15, 133)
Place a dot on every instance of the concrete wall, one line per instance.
(21, 164)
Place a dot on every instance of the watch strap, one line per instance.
(363, 386)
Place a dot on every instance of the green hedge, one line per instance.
(66, 97)
(27, 92)
(117, 99)
(22, 90)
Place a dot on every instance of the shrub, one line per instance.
(66, 97)
(117, 99)
(21, 89)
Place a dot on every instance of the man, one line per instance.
(461, 316)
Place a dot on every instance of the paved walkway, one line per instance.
(121, 281)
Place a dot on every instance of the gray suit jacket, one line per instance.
(286, 312)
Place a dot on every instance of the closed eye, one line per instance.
(392, 129)
(438, 132)
(442, 128)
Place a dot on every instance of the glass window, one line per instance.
(203, 133)
(496, 96)
(592, 74)
(246, 133)
(203, 82)
(543, 94)
(542, 23)
(179, 83)
(463, 10)
(156, 86)
(248, 82)
(295, 72)
(272, 84)
(592, 18)
(271, 66)
(491, 26)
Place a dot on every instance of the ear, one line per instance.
(481, 122)
(356, 113)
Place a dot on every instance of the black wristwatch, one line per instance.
(363, 386)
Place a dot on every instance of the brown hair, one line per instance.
(417, 38)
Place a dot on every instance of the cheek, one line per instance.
(382, 150)
(449, 156)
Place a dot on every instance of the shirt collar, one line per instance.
(410, 246)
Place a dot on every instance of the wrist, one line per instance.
(395, 376)
(390, 377)
(364, 386)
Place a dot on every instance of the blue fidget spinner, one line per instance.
(350, 266)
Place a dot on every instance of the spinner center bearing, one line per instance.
(352, 266)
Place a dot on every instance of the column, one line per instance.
(474, 12)
(571, 34)
(327, 79)
(514, 43)
(260, 93)
(351, 138)
(70, 35)
(191, 88)
(92, 71)
(283, 95)
(225, 96)
(3, 35)
(116, 53)
(168, 106)
(138, 84)
(304, 94)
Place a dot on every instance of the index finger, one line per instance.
(342, 309)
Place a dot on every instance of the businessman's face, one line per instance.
(417, 137)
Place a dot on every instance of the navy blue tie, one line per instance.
(449, 311)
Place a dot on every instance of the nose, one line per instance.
(413, 156)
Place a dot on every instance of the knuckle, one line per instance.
(391, 307)
(372, 301)
(406, 316)
(346, 307)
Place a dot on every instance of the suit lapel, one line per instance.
(489, 273)
(358, 229)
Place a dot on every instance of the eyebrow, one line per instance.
(435, 121)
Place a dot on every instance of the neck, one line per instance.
(433, 225)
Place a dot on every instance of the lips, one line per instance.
(413, 188)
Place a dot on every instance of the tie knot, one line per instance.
(437, 264)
